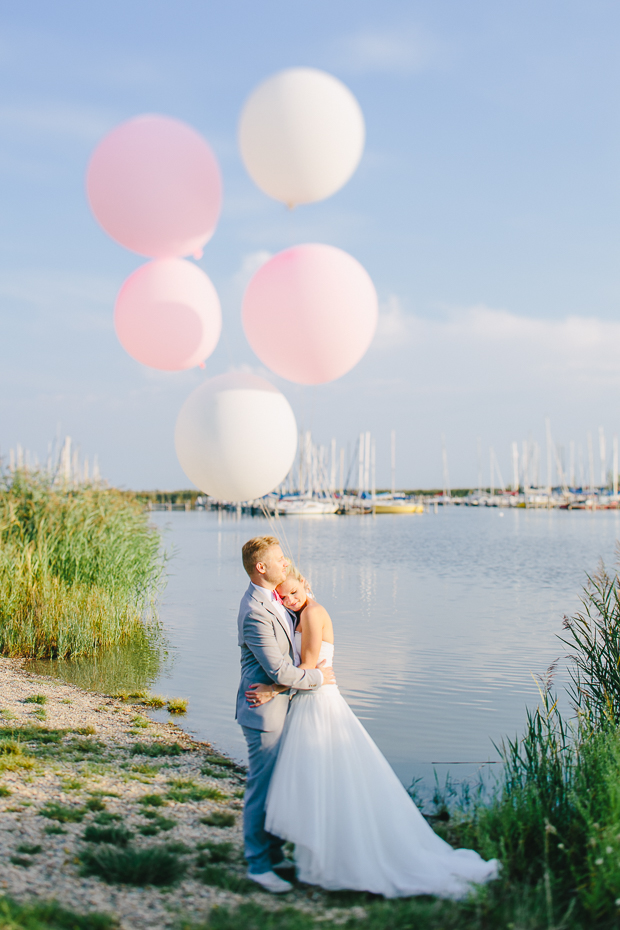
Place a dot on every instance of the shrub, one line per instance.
(36, 699)
(153, 866)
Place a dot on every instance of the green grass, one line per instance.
(114, 835)
(61, 813)
(157, 823)
(154, 700)
(221, 761)
(156, 749)
(36, 699)
(95, 804)
(152, 800)
(28, 849)
(49, 916)
(13, 757)
(215, 852)
(156, 865)
(54, 829)
(214, 773)
(21, 861)
(177, 705)
(182, 790)
(145, 769)
(105, 817)
(217, 876)
(78, 568)
(219, 819)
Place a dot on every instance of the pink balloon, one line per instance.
(154, 185)
(167, 315)
(310, 313)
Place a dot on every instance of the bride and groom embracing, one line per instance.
(315, 777)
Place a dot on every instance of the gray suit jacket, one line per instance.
(267, 655)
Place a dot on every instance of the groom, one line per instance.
(266, 637)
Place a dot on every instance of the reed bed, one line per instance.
(79, 569)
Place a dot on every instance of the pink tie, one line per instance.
(277, 597)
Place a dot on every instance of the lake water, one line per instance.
(441, 620)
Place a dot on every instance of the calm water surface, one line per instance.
(441, 619)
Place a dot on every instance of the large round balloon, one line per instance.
(310, 313)
(154, 185)
(167, 315)
(236, 437)
(301, 135)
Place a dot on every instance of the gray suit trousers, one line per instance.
(262, 850)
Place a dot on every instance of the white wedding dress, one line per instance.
(334, 795)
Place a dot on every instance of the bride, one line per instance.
(334, 795)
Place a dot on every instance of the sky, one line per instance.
(486, 209)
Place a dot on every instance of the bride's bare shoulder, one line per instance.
(315, 612)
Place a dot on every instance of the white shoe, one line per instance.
(271, 882)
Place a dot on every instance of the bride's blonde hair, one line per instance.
(293, 571)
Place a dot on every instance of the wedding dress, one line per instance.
(334, 795)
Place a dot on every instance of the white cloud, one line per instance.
(393, 325)
(394, 51)
(479, 348)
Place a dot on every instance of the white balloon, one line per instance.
(301, 135)
(236, 437)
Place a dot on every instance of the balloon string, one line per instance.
(279, 532)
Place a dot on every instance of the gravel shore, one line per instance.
(74, 763)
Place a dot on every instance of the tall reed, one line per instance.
(593, 637)
(554, 820)
(78, 568)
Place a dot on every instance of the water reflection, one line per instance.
(128, 668)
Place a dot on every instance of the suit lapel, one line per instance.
(268, 604)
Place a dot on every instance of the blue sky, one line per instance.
(486, 209)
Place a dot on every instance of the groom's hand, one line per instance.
(328, 673)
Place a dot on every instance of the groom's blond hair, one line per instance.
(254, 550)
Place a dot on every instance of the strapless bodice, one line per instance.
(326, 652)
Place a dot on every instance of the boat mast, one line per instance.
(393, 462)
